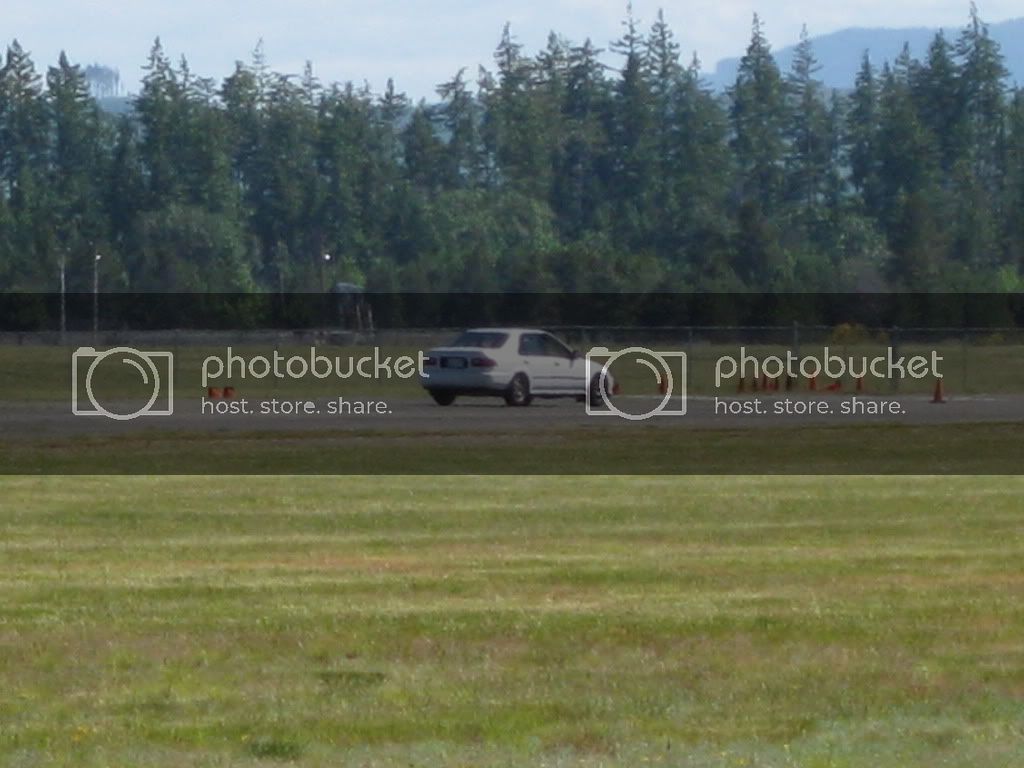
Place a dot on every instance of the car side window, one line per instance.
(531, 344)
(554, 348)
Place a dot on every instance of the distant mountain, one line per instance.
(840, 53)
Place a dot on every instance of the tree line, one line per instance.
(550, 172)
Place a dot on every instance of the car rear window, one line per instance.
(481, 339)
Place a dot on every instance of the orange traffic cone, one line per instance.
(214, 393)
(229, 392)
(939, 396)
(835, 386)
(812, 383)
(663, 387)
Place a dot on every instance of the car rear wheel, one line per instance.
(518, 392)
(442, 396)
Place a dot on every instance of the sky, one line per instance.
(421, 44)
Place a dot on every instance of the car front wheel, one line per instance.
(518, 393)
(596, 398)
(442, 396)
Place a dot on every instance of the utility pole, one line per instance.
(96, 296)
(63, 296)
(323, 269)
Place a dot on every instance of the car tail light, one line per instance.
(482, 362)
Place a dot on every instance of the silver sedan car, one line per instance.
(517, 364)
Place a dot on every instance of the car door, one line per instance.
(538, 365)
(562, 363)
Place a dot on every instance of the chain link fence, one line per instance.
(972, 360)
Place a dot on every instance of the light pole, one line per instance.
(63, 296)
(323, 268)
(96, 295)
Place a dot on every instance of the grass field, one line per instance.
(482, 621)
(884, 449)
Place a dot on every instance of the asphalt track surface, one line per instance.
(52, 420)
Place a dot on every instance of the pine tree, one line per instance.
(910, 200)
(1014, 217)
(665, 78)
(582, 170)
(701, 175)
(862, 139)
(76, 157)
(552, 74)
(906, 149)
(758, 118)
(836, 187)
(422, 150)
(514, 133)
(159, 107)
(808, 139)
(23, 118)
(240, 96)
(24, 131)
(938, 97)
(983, 94)
(632, 148)
(392, 108)
(290, 208)
(123, 191)
(207, 151)
(459, 116)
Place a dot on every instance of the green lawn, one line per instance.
(605, 447)
(490, 621)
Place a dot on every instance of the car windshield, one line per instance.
(481, 339)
